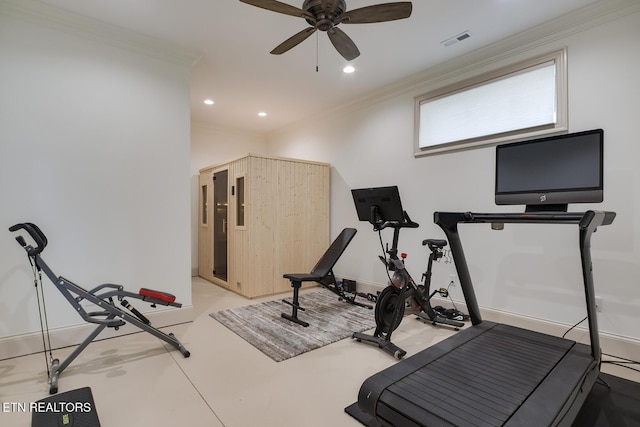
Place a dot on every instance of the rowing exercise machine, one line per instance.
(109, 316)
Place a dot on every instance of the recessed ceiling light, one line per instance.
(208, 101)
(348, 69)
(262, 114)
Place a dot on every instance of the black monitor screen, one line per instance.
(385, 200)
(551, 171)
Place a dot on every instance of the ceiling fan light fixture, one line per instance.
(326, 15)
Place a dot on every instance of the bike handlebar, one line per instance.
(407, 223)
(36, 234)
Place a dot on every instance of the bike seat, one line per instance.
(434, 243)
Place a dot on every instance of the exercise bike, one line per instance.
(375, 205)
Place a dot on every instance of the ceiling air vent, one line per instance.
(456, 39)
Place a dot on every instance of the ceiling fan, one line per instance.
(326, 15)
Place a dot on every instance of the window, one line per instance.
(240, 202)
(523, 100)
(203, 205)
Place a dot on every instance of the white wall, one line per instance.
(94, 149)
(210, 146)
(531, 270)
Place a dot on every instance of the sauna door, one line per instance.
(220, 223)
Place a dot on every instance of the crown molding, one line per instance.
(489, 57)
(583, 19)
(61, 20)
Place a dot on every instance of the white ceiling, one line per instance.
(238, 73)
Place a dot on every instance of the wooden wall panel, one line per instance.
(261, 226)
(237, 280)
(288, 253)
(205, 235)
(303, 222)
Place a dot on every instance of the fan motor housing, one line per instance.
(323, 21)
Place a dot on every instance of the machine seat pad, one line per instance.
(158, 295)
(303, 277)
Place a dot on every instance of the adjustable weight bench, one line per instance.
(323, 274)
(102, 296)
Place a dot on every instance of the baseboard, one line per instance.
(21, 345)
(365, 287)
(194, 271)
(618, 346)
(611, 344)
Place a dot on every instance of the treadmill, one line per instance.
(492, 374)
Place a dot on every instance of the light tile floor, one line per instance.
(136, 380)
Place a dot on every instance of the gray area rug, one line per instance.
(329, 319)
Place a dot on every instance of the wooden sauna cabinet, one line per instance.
(262, 217)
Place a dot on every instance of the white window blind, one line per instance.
(519, 100)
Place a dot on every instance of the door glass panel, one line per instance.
(220, 224)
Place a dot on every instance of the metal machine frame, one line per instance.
(492, 374)
(102, 296)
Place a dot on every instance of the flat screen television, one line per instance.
(547, 174)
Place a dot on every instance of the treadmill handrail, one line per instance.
(532, 218)
(587, 222)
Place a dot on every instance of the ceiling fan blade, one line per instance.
(277, 6)
(377, 13)
(343, 44)
(293, 41)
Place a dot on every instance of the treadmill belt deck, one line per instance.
(481, 377)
